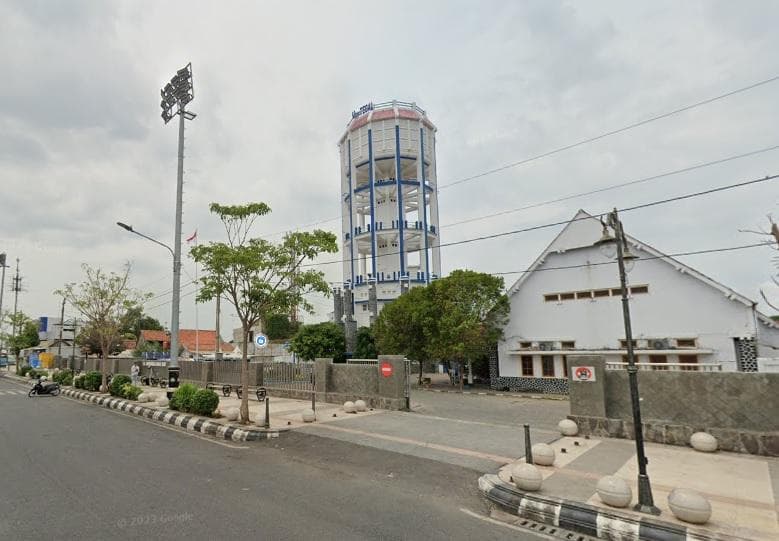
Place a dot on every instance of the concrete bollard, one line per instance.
(614, 491)
(360, 405)
(162, 402)
(689, 506)
(526, 476)
(231, 414)
(349, 407)
(143, 397)
(543, 454)
(308, 416)
(568, 427)
(704, 442)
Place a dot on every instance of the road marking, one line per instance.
(505, 524)
(177, 430)
(454, 450)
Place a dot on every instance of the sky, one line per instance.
(82, 144)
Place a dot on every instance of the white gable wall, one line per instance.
(677, 306)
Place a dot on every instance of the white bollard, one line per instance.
(349, 407)
(689, 506)
(360, 405)
(308, 415)
(568, 427)
(614, 491)
(543, 454)
(526, 476)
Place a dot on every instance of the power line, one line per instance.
(613, 186)
(664, 256)
(564, 222)
(610, 133)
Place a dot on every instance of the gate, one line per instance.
(288, 376)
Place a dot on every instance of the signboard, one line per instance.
(386, 369)
(362, 110)
(584, 373)
(260, 340)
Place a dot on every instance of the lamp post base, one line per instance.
(645, 503)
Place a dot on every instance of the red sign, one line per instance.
(386, 369)
(584, 373)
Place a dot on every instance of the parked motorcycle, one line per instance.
(42, 386)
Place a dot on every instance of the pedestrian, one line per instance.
(134, 374)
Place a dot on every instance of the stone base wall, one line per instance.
(535, 385)
(729, 439)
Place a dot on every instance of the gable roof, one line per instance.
(584, 229)
(202, 340)
(155, 336)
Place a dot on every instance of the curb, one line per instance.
(587, 519)
(191, 423)
(493, 393)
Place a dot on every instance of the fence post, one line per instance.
(313, 389)
(267, 411)
(528, 446)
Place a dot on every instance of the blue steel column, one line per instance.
(401, 208)
(351, 211)
(423, 187)
(373, 210)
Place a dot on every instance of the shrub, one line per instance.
(36, 373)
(78, 382)
(130, 391)
(117, 382)
(63, 377)
(182, 397)
(92, 380)
(204, 402)
(23, 370)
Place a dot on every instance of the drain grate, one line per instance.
(553, 531)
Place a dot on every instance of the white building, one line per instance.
(389, 203)
(570, 303)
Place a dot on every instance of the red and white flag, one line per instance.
(193, 237)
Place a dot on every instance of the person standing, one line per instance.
(134, 374)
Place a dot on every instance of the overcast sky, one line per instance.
(82, 144)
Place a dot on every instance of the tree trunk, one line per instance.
(103, 365)
(420, 374)
(245, 378)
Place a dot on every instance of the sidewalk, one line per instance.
(743, 489)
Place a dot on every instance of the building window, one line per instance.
(616, 292)
(526, 345)
(364, 307)
(547, 366)
(527, 365)
(584, 294)
(685, 342)
(565, 365)
(688, 359)
(624, 344)
(636, 290)
(567, 296)
(568, 345)
(658, 360)
(601, 293)
(552, 298)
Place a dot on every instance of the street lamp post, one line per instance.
(645, 499)
(2, 288)
(175, 97)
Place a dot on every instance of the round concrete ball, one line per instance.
(231, 414)
(543, 454)
(308, 415)
(614, 491)
(568, 427)
(689, 506)
(360, 405)
(526, 476)
(349, 407)
(703, 441)
(162, 402)
(143, 398)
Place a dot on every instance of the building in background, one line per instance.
(389, 205)
(569, 303)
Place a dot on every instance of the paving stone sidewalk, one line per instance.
(743, 489)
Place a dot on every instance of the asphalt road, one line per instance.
(75, 471)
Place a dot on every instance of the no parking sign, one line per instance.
(386, 369)
(584, 373)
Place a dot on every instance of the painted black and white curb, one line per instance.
(583, 518)
(191, 423)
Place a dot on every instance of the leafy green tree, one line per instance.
(26, 332)
(365, 347)
(103, 299)
(404, 325)
(279, 327)
(319, 340)
(259, 277)
(135, 320)
(88, 339)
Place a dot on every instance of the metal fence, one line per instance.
(670, 367)
(227, 372)
(362, 361)
(289, 376)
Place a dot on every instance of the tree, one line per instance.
(259, 277)
(279, 327)
(26, 332)
(135, 320)
(88, 339)
(771, 237)
(365, 347)
(319, 340)
(103, 299)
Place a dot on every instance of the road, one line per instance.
(75, 471)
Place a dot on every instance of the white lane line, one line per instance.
(177, 430)
(505, 524)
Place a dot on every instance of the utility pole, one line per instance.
(218, 353)
(73, 356)
(2, 288)
(17, 287)
(62, 324)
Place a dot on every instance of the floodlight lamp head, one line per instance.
(125, 226)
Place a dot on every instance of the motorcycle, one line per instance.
(42, 387)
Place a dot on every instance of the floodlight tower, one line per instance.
(175, 97)
(389, 204)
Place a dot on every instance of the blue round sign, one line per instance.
(261, 340)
